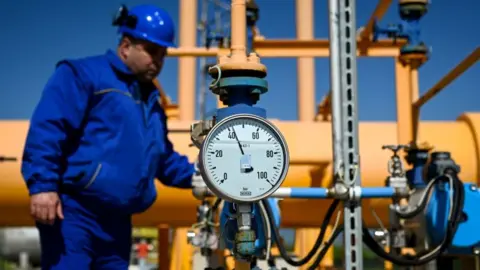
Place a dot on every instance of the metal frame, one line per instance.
(250, 117)
(343, 47)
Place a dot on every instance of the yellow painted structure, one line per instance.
(310, 167)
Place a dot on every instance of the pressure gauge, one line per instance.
(244, 158)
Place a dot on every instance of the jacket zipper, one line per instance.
(139, 100)
(144, 113)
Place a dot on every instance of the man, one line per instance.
(142, 249)
(97, 140)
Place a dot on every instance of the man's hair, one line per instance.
(132, 39)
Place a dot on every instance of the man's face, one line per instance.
(144, 59)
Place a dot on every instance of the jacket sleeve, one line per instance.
(58, 114)
(174, 169)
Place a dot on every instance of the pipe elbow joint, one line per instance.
(200, 193)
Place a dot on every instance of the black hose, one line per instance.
(427, 255)
(214, 208)
(422, 205)
(325, 247)
(318, 242)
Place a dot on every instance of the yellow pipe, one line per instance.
(415, 112)
(305, 65)
(187, 65)
(239, 30)
(187, 69)
(404, 97)
(404, 101)
(293, 48)
(466, 63)
(307, 141)
(182, 251)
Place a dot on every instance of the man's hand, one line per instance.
(45, 207)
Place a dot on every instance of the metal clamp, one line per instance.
(199, 130)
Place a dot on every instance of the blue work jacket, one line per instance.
(94, 136)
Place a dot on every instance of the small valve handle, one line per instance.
(395, 148)
(395, 167)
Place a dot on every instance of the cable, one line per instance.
(325, 248)
(425, 256)
(457, 197)
(318, 242)
(212, 209)
(267, 227)
(217, 80)
(421, 203)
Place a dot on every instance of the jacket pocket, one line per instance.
(81, 175)
(110, 187)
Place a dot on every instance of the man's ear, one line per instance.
(124, 47)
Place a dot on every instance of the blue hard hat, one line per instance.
(146, 22)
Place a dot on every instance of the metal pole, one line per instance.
(347, 105)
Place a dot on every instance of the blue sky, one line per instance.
(36, 34)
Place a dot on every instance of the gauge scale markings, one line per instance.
(248, 155)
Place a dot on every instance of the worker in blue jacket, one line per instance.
(96, 142)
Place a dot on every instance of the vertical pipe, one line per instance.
(203, 62)
(186, 64)
(239, 30)
(163, 245)
(335, 92)
(305, 65)
(414, 83)
(406, 79)
(182, 252)
(219, 30)
(335, 64)
(415, 111)
(404, 103)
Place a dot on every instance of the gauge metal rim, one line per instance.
(209, 182)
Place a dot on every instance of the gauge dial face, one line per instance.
(244, 158)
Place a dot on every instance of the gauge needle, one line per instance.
(245, 162)
(239, 144)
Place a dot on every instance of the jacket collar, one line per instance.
(119, 66)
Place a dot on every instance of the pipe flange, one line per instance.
(412, 9)
(414, 56)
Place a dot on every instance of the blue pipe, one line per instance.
(322, 193)
(309, 193)
(377, 192)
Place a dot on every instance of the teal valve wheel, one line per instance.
(228, 86)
